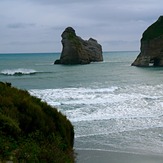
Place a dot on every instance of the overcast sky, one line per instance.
(37, 25)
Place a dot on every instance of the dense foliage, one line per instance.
(31, 130)
(154, 31)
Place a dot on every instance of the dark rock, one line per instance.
(57, 61)
(78, 51)
(151, 46)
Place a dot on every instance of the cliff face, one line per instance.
(151, 46)
(78, 51)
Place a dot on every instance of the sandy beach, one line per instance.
(95, 156)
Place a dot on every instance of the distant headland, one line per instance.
(151, 46)
(78, 51)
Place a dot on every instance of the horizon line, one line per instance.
(60, 52)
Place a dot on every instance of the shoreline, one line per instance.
(99, 156)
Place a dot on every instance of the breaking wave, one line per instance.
(19, 71)
(87, 104)
(128, 115)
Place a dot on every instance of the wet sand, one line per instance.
(95, 156)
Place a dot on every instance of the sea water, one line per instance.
(112, 105)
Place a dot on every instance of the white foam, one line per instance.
(88, 104)
(19, 71)
(74, 96)
(104, 114)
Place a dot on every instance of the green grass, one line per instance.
(31, 130)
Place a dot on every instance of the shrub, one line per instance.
(31, 130)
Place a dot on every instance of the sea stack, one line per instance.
(151, 46)
(78, 51)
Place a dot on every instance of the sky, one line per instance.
(36, 25)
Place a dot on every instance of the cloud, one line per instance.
(20, 25)
(116, 24)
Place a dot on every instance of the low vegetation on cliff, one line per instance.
(154, 31)
(31, 130)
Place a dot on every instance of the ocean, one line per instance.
(112, 105)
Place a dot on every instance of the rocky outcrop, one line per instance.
(78, 51)
(151, 46)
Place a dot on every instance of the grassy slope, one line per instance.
(32, 130)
